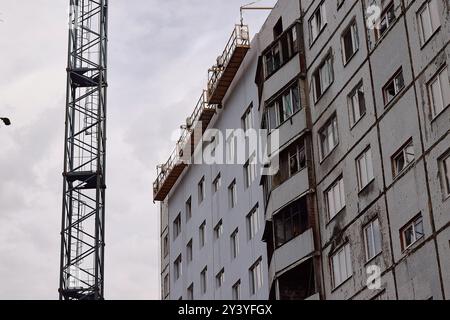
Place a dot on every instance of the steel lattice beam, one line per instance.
(83, 209)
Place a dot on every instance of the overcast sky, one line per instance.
(160, 51)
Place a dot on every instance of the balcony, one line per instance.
(180, 158)
(221, 75)
(298, 249)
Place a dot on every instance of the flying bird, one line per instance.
(6, 121)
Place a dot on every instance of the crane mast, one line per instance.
(83, 207)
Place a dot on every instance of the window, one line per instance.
(278, 29)
(393, 87)
(202, 234)
(297, 160)
(387, 19)
(412, 232)
(236, 291)
(177, 226)
(350, 43)
(317, 22)
(189, 209)
(166, 246)
(203, 279)
(335, 198)
(329, 137)
(365, 169)
(256, 278)
(341, 265)
(403, 158)
(232, 196)
(250, 171)
(247, 119)
(323, 77)
(166, 286)
(235, 244)
(217, 183)
(281, 51)
(253, 223)
(177, 267)
(189, 251)
(231, 147)
(220, 278)
(201, 190)
(292, 160)
(372, 239)
(429, 22)
(439, 89)
(357, 104)
(290, 222)
(282, 108)
(446, 174)
(190, 292)
(218, 230)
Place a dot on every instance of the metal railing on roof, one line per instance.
(239, 37)
(178, 156)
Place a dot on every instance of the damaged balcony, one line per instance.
(180, 158)
(222, 74)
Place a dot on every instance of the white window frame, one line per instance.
(177, 226)
(335, 198)
(234, 239)
(253, 223)
(330, 134)
(256, 277)
(232, 195)
(341, 265)
(250, 172)
(364, 168)
(236, 291)
(220, 278)
(188, 206)
(247, 119)
(202, 234)
(178, 267)
(217, 183)
(189, 251)
(372, 239)
(324, 74)
(201, 190)
(353, 30)
(413, 225)
(315, 25)
(404, 152)
(204, 280)
(398, 86)
(218, 230)
(429, 11)
(441, 79)
(357, 104)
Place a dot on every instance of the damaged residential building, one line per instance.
(358, 94)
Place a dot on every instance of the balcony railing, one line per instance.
(222, 73)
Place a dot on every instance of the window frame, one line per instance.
(437, 78)
(321, 9)
(202, 234)
(412, 224)
(359, 88)
(256, 277)
(366, 239)
(253, 223)
(402, 152)
(201, 190)
(352, 28)
(394, 80)
(349, 271)
(333, 123)
(339, 182)
(189, 251)
(178, 267)
(370, 175)
(234, 239)
(327, 62)
(433, 29)
(177, 226)
(232, 195)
